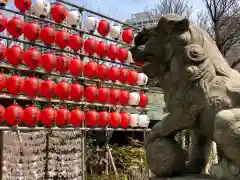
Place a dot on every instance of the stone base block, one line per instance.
(186, 177)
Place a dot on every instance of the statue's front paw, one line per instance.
(224, 170)
(165, 157)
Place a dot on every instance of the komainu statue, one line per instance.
(201, 93)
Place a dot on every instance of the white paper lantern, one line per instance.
(134, 120)
(115, 31)
(129, 58)
(144, 120)
(91, 24)
(142, 79)
(134, 99)
(74, 18)
(4, 2)
(42, 8)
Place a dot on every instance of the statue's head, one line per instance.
(176, 48)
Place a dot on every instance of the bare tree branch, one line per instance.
(235, 63)
(222, 20)
(180, 7)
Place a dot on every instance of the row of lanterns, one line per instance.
(64, 91)
(59, 13)
(33, 59)
(31, 116)
(32, 31)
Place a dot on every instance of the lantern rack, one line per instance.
(6, 128)
(23, 68)
(96, 13)
(81, 31)
(67, 75)
(82, 128)
(66, 51)
(26, 98)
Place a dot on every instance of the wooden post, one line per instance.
(47, 155)
(1, 154)
(112, 160)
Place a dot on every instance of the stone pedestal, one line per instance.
(186, 177)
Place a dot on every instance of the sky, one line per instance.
(122, 9)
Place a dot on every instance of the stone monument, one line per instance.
(201, 93)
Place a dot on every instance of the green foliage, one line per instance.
(130, 162)
(128, 158)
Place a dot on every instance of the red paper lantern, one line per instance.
(2, 113)
(32, 58)
(103, 118)
(132, 77)
(113, 73)
(3, 22)
(15, 84)
(122, 54)
(3, 51)
(125, 119)
(47, 35)
(102, 71)
(59, 12)
(76, 92)
(91, 94)
(139, 64)
(62, 39)
(103, 27)
(48, 62)
(31, 116)
(31, 86)
(112, 51)
(143, 100)
(123, 75)
(3, 81)
(92, 118)
(127, 36)
(15, 27)
(31, 31)
(103, 95)
(63, 64)
(76, 42)
(62, 117)
(76, 67)
(123, 97)
(48, 116)
(62, 90)
(102, 49)
(14, 55)
(115, 119)
(47, 88)
(114, 96)
(23, 5)
(90, 69)
(76, 117)
(90, 46)
(14, 115)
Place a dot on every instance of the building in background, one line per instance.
(142, 19)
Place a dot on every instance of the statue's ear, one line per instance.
(169, 26)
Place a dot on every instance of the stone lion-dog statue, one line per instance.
(201, 93)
